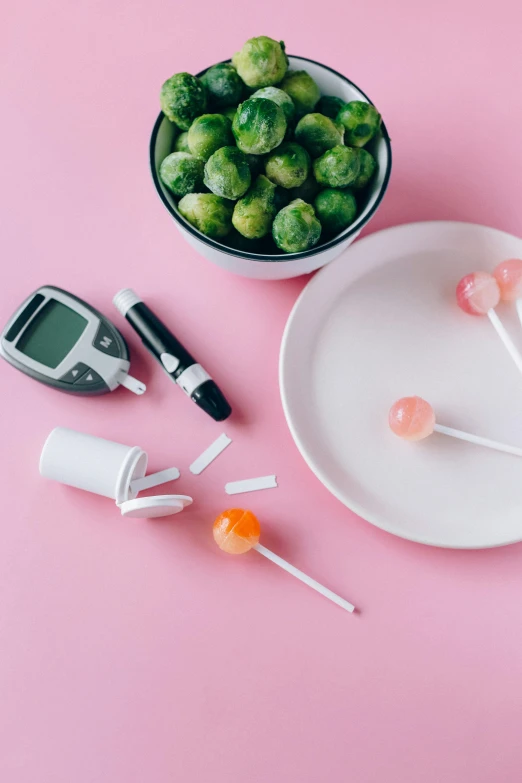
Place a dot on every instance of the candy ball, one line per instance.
(477, 293)
(236, 531)
(411, 418)
(508, 275)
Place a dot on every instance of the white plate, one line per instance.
(379, 323)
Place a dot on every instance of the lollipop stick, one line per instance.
(304, 578)
(477, 440)
(506, 339)
(519, 309)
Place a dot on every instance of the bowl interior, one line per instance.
(330, 83)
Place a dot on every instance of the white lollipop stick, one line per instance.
(519, 309)
(304, 578)
(504, 336)
(478, 440)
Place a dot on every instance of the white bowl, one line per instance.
(279, 266)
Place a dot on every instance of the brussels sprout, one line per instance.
(210, 214)
(336, 209)
(223, 84)
(307, 191)
(318, 133)
(259, 126)
(254, 212)
(181, 143)
(367, 166)
(181, 173)
(296, 227)
(229, 112)
(338, 167)
(288, 165)
(281, 98)
(208, 133)
(302, 89)
(227, 173)
(182, 99)
(261, 62)
(330, 106)
(361, 121)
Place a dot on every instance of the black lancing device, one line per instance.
(175, 359)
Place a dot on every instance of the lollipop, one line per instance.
(508, 275)
(412, 418)
(478, 294)
(237, 531)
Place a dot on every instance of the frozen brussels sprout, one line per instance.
(182, 99)
(259, 126)
(281, 98)
(338, 167)
(330, 106)
(230, 112)
(336, 209)
(181, 143)
(367, 166)
(208, 133)
(288, 165)
(318, 133)
(211, 214)
(254, 212)
(224, 86)
(227, 173)
(296, 227)
(261, 62)
(182, 173)
(361, 121)
(307, 191)
(302, 89)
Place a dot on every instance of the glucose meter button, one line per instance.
(89, 378)
(105, 341)
(75, 373)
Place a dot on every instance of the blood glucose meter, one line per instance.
(65, 343)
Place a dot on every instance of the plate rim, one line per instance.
(329, 269)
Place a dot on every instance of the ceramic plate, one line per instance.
(381, 322)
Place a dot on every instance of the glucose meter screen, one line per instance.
(51, 334)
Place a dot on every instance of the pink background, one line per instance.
(135, 651)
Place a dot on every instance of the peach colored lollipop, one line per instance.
(412, 418)
(479, 294)
(237, 530)
(508, 275)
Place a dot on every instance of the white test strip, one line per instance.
(155, 479)
(250, 485)
(210, 454)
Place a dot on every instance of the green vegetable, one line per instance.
(229, 112)
(361, 121)
(181, 143)
(338, 167)
(210, 214)
(181, 173)
(281, 98)
(223, 84)
(183, 98)
(330, 106)
(318, 133)
(208, 133)
(227, 173)
(296, 227)
(307, 191)
(367, 167)
(259, 126)
(254, 212)
(288, 165)
(261, 62)
(302, 89)
(336, 209)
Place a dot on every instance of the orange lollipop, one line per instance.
(237, 531)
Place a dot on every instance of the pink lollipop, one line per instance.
(478, 294)
(508, 275)
(412, 418)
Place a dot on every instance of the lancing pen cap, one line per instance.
(176, 360)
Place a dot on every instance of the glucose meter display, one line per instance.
(51, 335)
